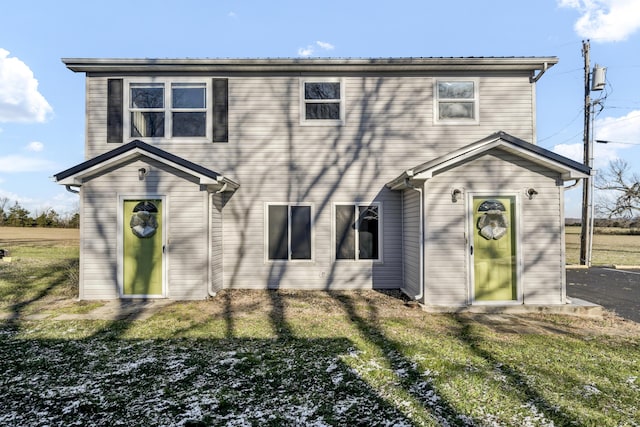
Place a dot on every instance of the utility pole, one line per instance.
(585, 234)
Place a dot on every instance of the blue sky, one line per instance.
(42, 103)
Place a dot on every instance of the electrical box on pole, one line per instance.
(598, 77)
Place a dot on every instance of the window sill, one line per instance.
(322, 122)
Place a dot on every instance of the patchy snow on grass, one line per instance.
(111, 382)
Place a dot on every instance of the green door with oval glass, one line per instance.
(494, 249)
(142, 248)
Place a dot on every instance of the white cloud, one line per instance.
(605, 20)
(35, 146)
(17, 163)
(619, 129)
(13, 197)
(621, 132)
(572, 151)
(325, 45)
(305, 51)
(20, 100)
(311, 49)
(232, 14)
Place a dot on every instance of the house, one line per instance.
(414, 173)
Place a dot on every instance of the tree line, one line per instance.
(17, 216)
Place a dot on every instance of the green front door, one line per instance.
(494, 249)
(142, 248)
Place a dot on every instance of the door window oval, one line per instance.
(143, 221)
(493, 222)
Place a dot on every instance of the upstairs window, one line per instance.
(147, 109)
(158, 110)
(322, 101)
(188, 109)
(166, 108)
(456, 101)
(357, 230)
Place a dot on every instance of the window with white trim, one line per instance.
(456, 101)
(289, 232)
(167, 110)
(322, 101)
(357, 231)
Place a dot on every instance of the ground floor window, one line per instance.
(357, 231)
(289, 232)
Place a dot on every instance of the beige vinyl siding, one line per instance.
(540, 222)
(276, 160)
(445, 249)
(216, 242)
(412, 240)
(98, 246)
(186, 238)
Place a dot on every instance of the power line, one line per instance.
(604, 141)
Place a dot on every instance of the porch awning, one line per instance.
(567, 168)
(76, 175)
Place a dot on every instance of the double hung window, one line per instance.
(357, 230)
(171, 110)
(322, 101)
(456, 101)
(289, 232)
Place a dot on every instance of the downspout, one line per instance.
(569, 187)
(408, 184)
(210, 290)
(71, 190)
(535, 78)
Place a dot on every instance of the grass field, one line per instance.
(608, 249)
(254, 358)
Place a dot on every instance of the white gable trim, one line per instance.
(564, 166)
(214, 181)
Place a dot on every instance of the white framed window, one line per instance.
(322, 101)
(289, 232)
(168, 109)
(358, 231)
(456, 101)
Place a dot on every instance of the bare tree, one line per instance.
(3, 213)
(624, 188)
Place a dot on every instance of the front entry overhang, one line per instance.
(566, 168)
(77, 175)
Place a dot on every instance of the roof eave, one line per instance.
(77, 175)
(567, 169)
(134, 65)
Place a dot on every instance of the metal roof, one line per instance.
(398, 64)
(135, 149)
(569, 169)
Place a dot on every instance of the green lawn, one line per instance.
(300, 358)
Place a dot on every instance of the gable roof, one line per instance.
(567, 168)
(75, 175)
